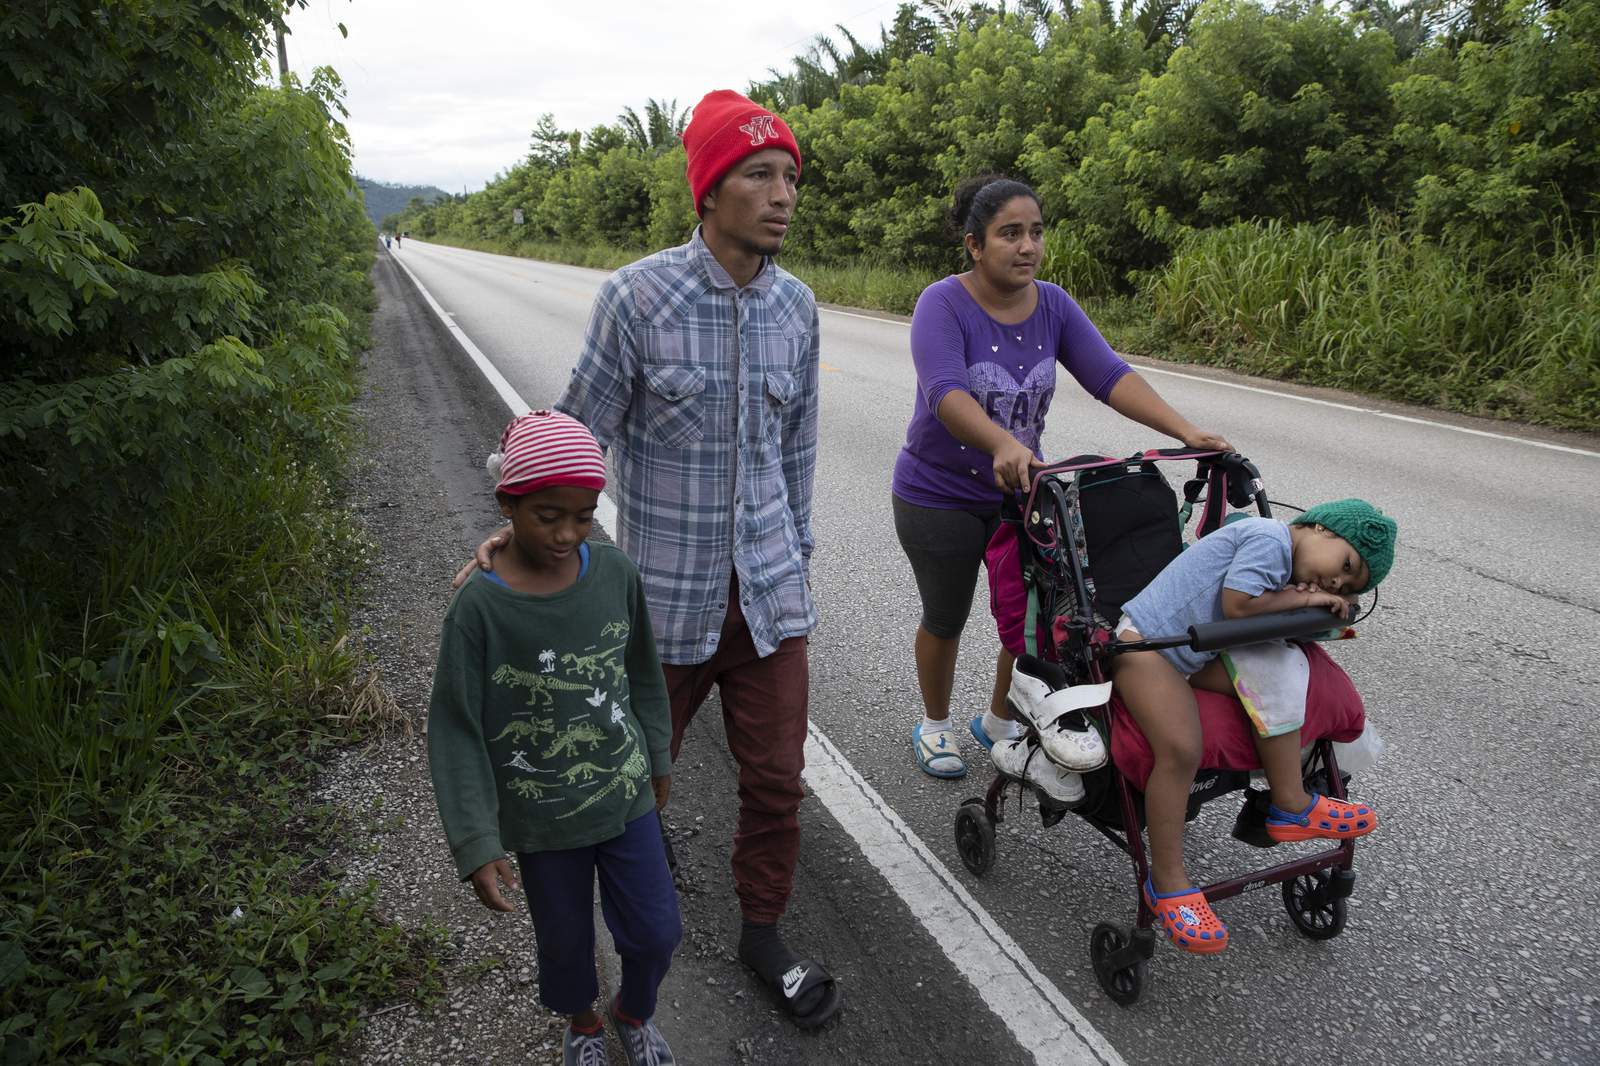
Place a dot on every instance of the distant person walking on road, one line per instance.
(548, 734)
(699, 371)
(986, 344)
(386, 240)
(397, 236)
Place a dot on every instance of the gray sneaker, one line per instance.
(642, 1045)
(584, 1049)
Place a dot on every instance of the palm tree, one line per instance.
(660, 129)
(1155, 19)
(1410, 25)
(951, 15)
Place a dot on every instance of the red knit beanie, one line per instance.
(725, 128)
(545, 448)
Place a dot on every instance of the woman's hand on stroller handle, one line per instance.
(1202, 440)
(1014, 464)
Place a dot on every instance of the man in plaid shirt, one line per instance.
(699, 374)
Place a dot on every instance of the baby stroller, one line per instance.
(1091, 534)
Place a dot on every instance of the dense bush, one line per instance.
(183, 261)
(1501, 148)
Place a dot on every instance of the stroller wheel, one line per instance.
(974, 837)
(1120, 963)
(1315, 903)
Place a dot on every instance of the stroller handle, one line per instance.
(1234, 632)
(1279, 625)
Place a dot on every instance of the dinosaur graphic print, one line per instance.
(548, 713)
(629, 777)
(582, 771)
(569, 739)
(528, 788)
(594, 665)
(530, 729)
(575, 742)
(541, 687)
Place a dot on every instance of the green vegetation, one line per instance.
(1449, 150)
(183, 262)
(1376, 310)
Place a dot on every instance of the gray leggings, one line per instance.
(945, 547)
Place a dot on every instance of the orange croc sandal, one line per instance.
(1188, 919)
(1324, 819)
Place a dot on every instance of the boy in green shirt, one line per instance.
(548, 736)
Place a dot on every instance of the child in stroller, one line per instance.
(1092, 533)
(1247, 568)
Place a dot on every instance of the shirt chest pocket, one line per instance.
(780, 390)
(675, 404)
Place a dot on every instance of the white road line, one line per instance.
(1042, 1019)
(517, 404)
(1371, 411)
(1145, 367)
(869, 318)
(605, 513)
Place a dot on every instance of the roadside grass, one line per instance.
(167, 890)
(871, 286)
(1377, 310)
(174, 674)
(1369, 309)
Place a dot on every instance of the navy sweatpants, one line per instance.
(638, 901)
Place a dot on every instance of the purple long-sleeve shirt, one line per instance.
(1009, 370)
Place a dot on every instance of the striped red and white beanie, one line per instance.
(545, 448)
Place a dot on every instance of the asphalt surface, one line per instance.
(1471, 933)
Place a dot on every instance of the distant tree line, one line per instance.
(1471, 125)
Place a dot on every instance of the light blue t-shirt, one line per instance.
(1253, 555)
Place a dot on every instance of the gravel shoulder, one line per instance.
(419, 488)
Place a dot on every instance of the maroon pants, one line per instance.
(764, 715)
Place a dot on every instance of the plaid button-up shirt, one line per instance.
(705, 394)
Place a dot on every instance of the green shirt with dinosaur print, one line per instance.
(549, 714)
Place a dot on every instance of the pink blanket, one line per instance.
(1333, 710)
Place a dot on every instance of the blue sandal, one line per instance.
(941, 746)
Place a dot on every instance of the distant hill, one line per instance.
(384, 198)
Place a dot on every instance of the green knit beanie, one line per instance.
(1370, 532)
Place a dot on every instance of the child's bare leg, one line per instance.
(1212, 677)
(1002, 684)
(1161, 701)
(1280, 755)
(1280, 758)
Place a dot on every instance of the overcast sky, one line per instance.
(446, 93)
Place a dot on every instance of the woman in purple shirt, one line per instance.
(986, 344)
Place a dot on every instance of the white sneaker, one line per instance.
(1022, 761)
(1068, 739)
